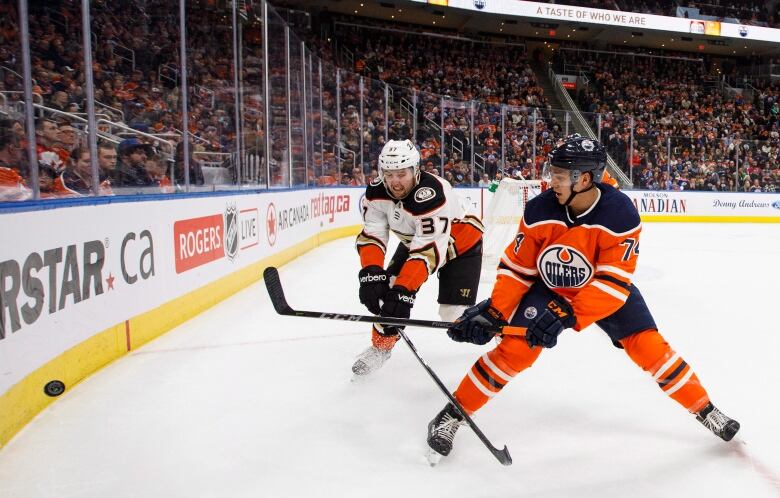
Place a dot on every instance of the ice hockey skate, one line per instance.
(370, 360)
(720, 425)
(441, 433)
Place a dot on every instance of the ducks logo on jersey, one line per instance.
(563, 266)
(424, 193)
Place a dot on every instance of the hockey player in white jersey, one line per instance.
(436, 235)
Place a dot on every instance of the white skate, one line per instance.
(370, 360)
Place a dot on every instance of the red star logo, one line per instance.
(110, 281)
(271, 224)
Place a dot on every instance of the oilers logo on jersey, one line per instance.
(564, 266)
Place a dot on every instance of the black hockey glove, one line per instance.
(548, 325)
(477, 324)
(374, 285)
(398, 303)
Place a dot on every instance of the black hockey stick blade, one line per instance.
(275, 291)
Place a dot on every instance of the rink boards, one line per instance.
(81, 285)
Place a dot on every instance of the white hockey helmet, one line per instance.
(399, 154)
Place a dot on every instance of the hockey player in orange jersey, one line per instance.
(437, 237)
(570, 265)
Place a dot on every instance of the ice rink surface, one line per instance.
(240, 402)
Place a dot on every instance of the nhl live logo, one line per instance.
(231, 232)
(480, 4)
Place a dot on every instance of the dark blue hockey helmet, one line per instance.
(580, 154)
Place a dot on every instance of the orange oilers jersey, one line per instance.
(431, 222)
(588, 259)
(12, 186)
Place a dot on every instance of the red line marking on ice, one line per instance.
(769, 476)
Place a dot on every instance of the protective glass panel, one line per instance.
(277, 67)
(348, 153)
(297, 113)
(402, 113)
(428, 138)
(329, 173)
(376, 115)
(251, 88)
(15, 175)
(518, 149)
(457, 137)
(137, 82)
(487, 139)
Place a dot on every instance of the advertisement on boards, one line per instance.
(75, 271)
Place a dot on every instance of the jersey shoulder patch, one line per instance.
(427, 196)
(616, 212)
(376, 191)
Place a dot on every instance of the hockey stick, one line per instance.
(502, 456)
(276, 292)
(274, 286)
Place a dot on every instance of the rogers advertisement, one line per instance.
(198, 241)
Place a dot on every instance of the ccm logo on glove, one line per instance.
(558, 310)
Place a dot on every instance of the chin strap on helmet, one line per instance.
(575, 192)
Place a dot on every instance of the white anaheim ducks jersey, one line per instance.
(427, 222)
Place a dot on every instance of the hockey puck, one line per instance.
(54, 388)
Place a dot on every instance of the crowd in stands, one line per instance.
(686, 135)
(136, 85)
(466, 99)
(428, 80)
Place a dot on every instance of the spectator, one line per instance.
(107, 161)
(358, 178)
(157, 168)
(67, 136)
(12, 185)
(46, 133)
(131, 168)
(77, 177)
(59, 101)
(47, 184)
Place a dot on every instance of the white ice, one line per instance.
(240, 402)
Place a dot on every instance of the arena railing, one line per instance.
(294, 117)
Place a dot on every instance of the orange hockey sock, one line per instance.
(493, 370)
(383, 342)
(674, 376)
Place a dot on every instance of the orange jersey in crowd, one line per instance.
(61, 154)
(166, 187)
(588, 259)
(12, 185)
(607, 178)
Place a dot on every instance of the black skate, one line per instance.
(441, 432)
(714, 420)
